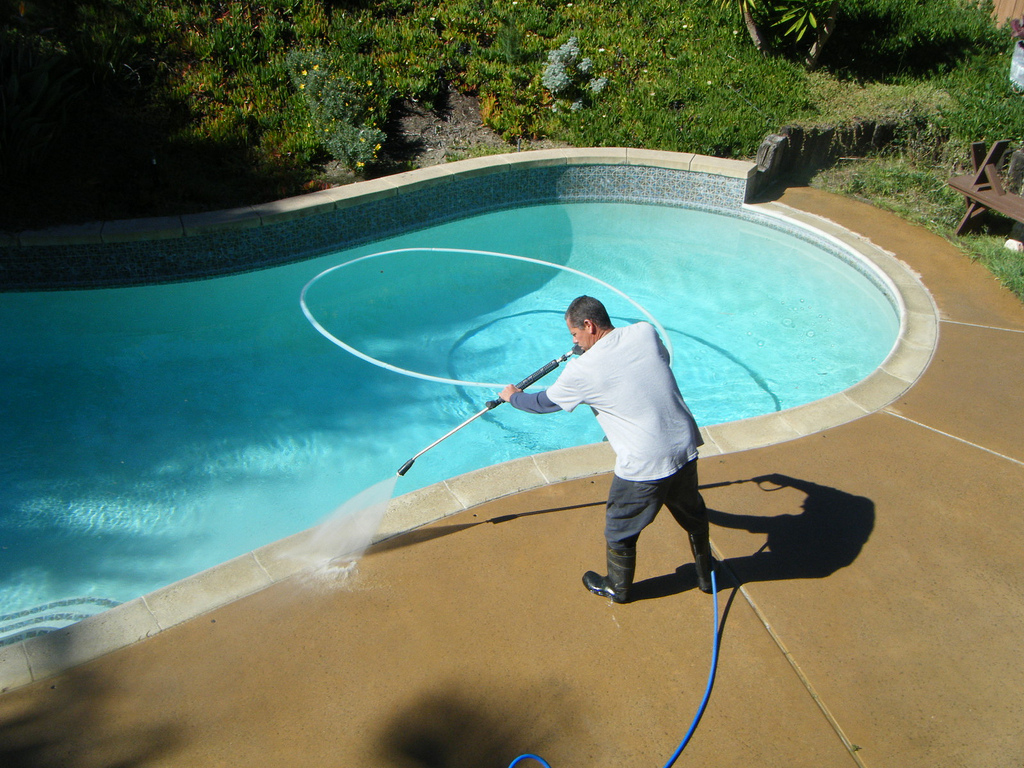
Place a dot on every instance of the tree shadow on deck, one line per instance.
(69, 720)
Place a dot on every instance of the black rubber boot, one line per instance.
(700, 545)
(621, 567)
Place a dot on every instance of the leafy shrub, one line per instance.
(36, 87)
(889, 39)
(798, 18)
(570, 79)
(210, 86)
(413, 57)
(718, 99)
(983, 105)
(346, 102)
(497, 52)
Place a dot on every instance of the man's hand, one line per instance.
(507, 392)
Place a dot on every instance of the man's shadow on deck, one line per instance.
(827, 535)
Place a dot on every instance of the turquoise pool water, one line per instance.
(149, 433)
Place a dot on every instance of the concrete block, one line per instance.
(423, 178)
(89, 639)
(72, 234)
(14, 668)
(207, 590)
(572, 463)
(596, 156)
(877, 391)
(720, 166)
(496, 481)
(676, 160)
(481, 166)
(411, 510)
(538, 158)
(822, 414)
(133, 230)
(752, 433)
(210, 222)
(298, 207)
(349, 195)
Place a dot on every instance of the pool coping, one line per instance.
(159, 250)
(40, 657)
(337, 198)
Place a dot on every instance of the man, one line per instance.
(624, 376)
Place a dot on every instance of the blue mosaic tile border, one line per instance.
(32, 622)
(94, 265)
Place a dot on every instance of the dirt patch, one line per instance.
(419, 137)
(426, 137)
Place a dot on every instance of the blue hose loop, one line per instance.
(703, 703)
(540, 760)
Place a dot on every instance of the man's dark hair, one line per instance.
(587, 308)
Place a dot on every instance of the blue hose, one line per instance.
(540, 760)
(711, 680)
(703, 703)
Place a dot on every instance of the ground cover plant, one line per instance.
(120, 108)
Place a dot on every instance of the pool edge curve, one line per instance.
(41, 657)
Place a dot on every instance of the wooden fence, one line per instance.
(1005, 10)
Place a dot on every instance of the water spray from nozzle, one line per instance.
(491, 404)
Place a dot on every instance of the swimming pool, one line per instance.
(151, 432)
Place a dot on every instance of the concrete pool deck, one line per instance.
(879, 620)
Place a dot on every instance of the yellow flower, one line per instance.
(304, 73)
(359, 165)
(369, 82)
(301, 86)
(315, 67)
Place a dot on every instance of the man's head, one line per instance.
(587, 320)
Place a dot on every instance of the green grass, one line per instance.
(1006, 265)
(899, 184)
(138, 108)
(845, 102)
(918, 192)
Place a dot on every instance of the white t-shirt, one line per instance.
(625, 378)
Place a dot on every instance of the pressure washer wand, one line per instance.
(491, 404)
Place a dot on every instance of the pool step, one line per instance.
(31, 622)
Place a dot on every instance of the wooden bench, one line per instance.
(983, 190)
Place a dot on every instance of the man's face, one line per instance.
(584, 336)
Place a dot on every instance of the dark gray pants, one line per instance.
(633, 505)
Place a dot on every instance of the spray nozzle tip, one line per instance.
(405, 467)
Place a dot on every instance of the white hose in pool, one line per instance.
(427, 377)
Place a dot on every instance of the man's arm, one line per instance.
(532, 402)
